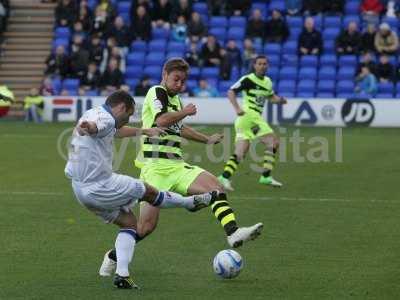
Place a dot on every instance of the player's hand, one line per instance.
(240, 112)
(155, 131)
(190, 109)
(215, 138)
(282, 100)
(84, 128)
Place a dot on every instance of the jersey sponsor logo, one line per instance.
(358, 112)
(304, 114)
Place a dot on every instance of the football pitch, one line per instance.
(332, 231)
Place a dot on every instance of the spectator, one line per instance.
(162, 14)
(143, 86)
(112, 78)
(333, 7)
(256, 26)
(179, 30)
(196, 28)
(33, 106)
(136, 3)
(386, 40)
(368, 39)
(192, 56)
(96, 50)
(371, 10)
(293, 7)
(4, 14)
(79, 57)
(141, 24)
(249, 53)
(216, 7)
(367, 60)
(100, 22)
(85, 16)
(209, 53)
(204, 90)
(181, 8)
(349, 40)
(366, 83)
(310, 41)
(112, 51)
(120, 32)
(393, 9)
(47, 89)
(108, 8)
(91, 79)
(57, 63)
(234, 54)
(6, 98)
(78, 30)
(384, 70)
(277, 30)
(225, 67)
(65, 13)
(313, 7)
(238, 7)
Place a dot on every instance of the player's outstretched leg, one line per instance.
(221, 209)
(271, 143)
(231, 166)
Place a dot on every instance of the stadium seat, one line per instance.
(289, 60)
(219, 21)
(274, 60)
(92, 93)
(290, 47)
(134, 71)
(70, 84)
(350, 18)
(176, 46)
(236, 33)
(331, 33)
(348, 60)
(328, 60)
(138, 46)
(386, 88)
(174, 54)
(277, 5)
(219, 33)
(273, 73)
(332, 22)
(160, 33)
(155, 59)
(295, 22)
(56, 83)
(352, 8)
(326, 86)
(345, 86)
(346, 73)
(262, 7)
(123, 7)
(272, 49)
(393, 22)
(154, 72)
(237, 21)
(62, 33)
(194, 73)
(287, 94)
(200, 7)
(135, 58)
(325, 95)
(309, 61)
(308, 73)
(294, 34)
(132, 82)
(224, 86)
(302, 94)
(306, 85)
(383, 96)
(210, 72)
(327, 73)
(191, 84)
(157, 46)
(287, 86)
(61, 42)
(317, 22)
(329, 47)
(288, 73)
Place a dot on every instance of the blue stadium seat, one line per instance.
(160, 33)
(126, 17)
(224, 86)
(277, 5)
(157, 46)
(289, 60)
(210, 72)
(62, 33)
(309, 61)
(302, 94)
(155, 59)
(236, 33)
(346, 73)
(295, 22)
(383, 96)
(70, 84)
(134, 71)
(218, 32)
(262, 7)
(273, 73)
(135, 58)
(352, 8)
(327, 73)
(350, 18)
(386, 88)
(200, 7)
(317, 22)
(332, 21)
(393, 22)
(123, 7)
(348, 60)
(326, 86)
(154, 72)
(235, 72)
(194, 73)
(286, 86)
(345, 86)
(92, 93)
(331, 33)
(174, 54)
(290, 47)
(138, 46)
(56, 82)
(272, 49)
(132, 82)
(307, 86)
(176, 46)
(218, 22)
(308, 73)
(329, 47)
(328, 60)
(325, 95)
(288, 73)
(61, 42)
(274, 60)
(258, 48)
(287, 94)
(237, 21)
(294, 33)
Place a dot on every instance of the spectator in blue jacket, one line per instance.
(204, 90)
(366, 83)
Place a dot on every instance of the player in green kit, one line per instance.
(250, 125)
(162, 163)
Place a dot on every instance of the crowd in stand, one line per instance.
(4, 13)
(101, 39)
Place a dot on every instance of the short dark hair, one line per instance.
(176, 64)
(120, 96)
(260, 56)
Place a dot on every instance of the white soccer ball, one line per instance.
(227, 263)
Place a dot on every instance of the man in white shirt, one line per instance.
(110, 195)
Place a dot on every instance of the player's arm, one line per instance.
(166, 119)
(127, 131)
(87, 128)
(277, 99)
(233, 99)
(242, 84)
(196, 136)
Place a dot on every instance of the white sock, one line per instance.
(124, 246)
(171, 200)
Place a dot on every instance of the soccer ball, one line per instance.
(227, 264)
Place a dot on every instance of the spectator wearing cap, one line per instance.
(349, 40)
(386, 40)
(277, 30)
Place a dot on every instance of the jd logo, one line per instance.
(358, 111)
(304, 114)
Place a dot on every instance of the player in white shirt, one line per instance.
(110, 195)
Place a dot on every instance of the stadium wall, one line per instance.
(306, 112)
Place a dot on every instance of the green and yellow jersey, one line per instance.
(255, 92)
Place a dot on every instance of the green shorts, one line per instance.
(176, 177)
(250, 126)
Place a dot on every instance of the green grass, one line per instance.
(332, 232)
